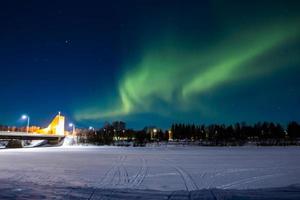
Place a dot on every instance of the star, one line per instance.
(68, 41)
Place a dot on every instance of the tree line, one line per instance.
(266, 133)
(261, 133)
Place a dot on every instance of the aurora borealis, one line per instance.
(156, 62)
(197, 73)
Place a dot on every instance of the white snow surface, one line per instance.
(168, 168)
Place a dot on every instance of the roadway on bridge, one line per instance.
(29, 136)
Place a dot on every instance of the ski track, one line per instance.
(118, 177)
(140, 175)
(245, 181)
(189, 183)
(109, 176)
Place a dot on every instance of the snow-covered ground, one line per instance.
(161, 168)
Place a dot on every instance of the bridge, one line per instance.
(54, 133)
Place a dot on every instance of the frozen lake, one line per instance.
(161, 168)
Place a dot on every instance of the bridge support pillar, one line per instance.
(14, 144)
(58, 141)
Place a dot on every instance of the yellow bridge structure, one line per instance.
(56, 127)
(54, 133)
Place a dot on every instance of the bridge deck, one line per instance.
(28, 136)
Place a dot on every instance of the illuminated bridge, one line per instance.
(54, 133)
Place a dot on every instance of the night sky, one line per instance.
(150, 62)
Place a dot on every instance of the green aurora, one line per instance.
(174, 73)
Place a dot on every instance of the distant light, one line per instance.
(71, 125)
(91, 128)
(155, 130)
(24, 116)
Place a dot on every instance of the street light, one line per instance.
(155, 132)
(92, 129)
(28, 120)
(73, 126)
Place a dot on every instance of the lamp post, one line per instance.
(170, 135)
(92, 129)
(28, 120)
(73, 126)
(154, 133)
